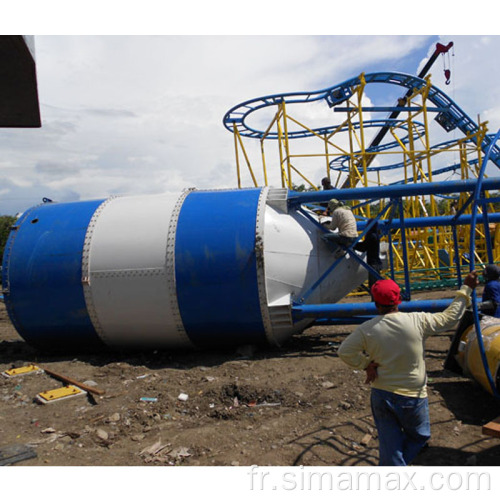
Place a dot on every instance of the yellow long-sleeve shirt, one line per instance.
(395, 341)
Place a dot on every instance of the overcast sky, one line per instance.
(143, 114)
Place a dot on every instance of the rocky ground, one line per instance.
(295, 405)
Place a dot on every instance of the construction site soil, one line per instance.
(294, 405)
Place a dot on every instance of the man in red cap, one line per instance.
(390, 347)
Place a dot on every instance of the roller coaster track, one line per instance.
(426, 253)
(341, 163)
(451, 115)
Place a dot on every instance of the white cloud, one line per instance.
(139, 114)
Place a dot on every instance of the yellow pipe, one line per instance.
(235, 132)
(315, 134)
(327, 157)
(287, 146)
(304, 177)
(469, 355)
(284, 181)
(264, 168)
(276, 118)
(247, 160)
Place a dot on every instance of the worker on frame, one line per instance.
(326, 183)
(327, 186)
(342, 220)
(371, 245)
(491, 291)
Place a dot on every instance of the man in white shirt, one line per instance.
(343, 220)
(390, 347)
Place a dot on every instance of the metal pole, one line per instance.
(301, 311)
(393, 191)
(477, 325)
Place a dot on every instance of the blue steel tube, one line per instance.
(477, 190)
(393, 191)
(438, 221)
(364, 309)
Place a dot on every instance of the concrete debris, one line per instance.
(328, 385)
(366, 439)
(164, 454)
(154, 449)
(102, 434)
(180, 453)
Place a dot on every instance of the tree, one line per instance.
(302, 187)
(6, 222)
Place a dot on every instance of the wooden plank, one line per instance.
(68, 380)
(492, 428)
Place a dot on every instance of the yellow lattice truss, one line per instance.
(430, 251)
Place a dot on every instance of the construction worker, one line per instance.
(371, 245)
(326, 183)
(491, 290)
(390, 347)
(343, 220)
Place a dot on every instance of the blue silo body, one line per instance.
(190, 269)
(42, 278)
(216, 268)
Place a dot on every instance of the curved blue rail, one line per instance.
(341, 163)
(477, 325)
(450, 113)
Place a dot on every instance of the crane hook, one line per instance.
(447, 75)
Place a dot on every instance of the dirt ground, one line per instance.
(295, 405)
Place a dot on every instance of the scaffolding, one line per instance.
(410, 146)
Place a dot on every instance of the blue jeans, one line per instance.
(339, 239)
(403, 426)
